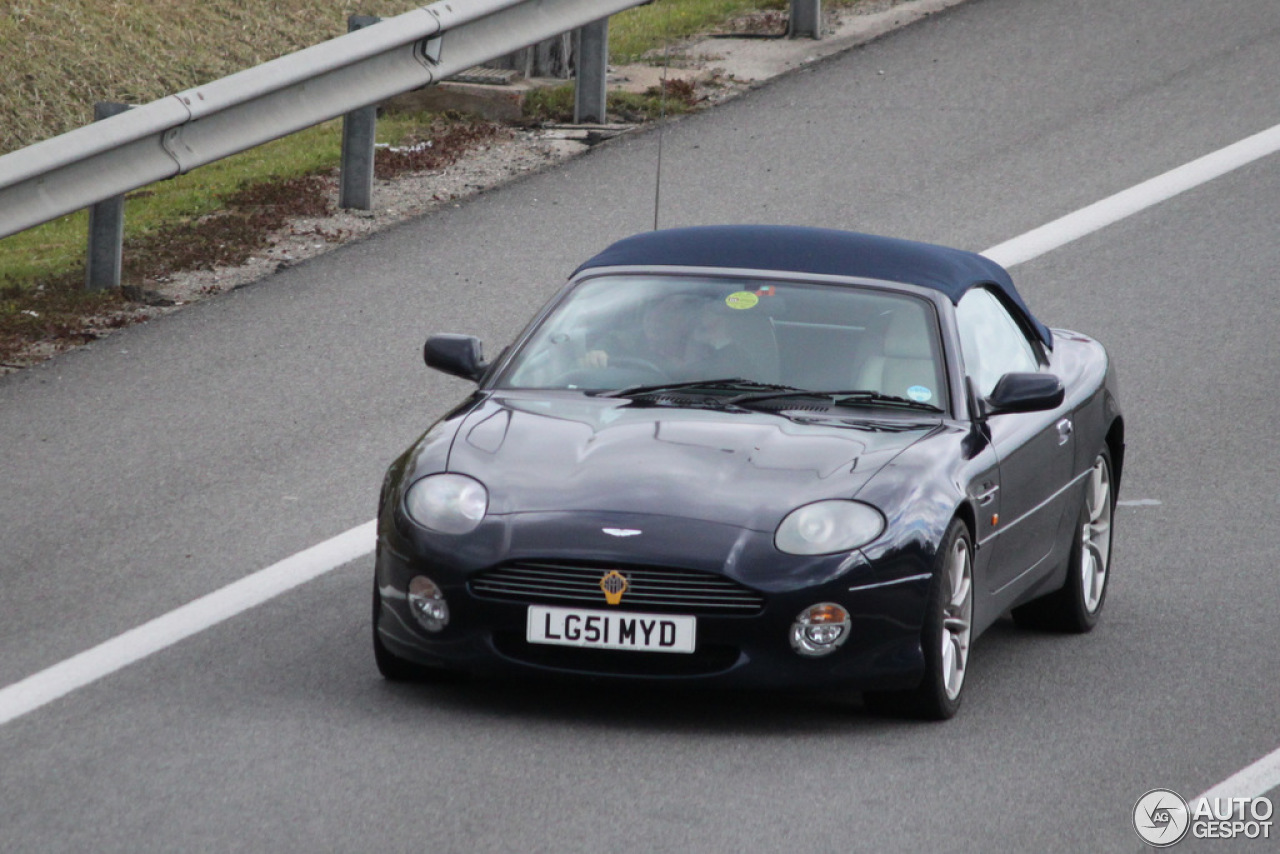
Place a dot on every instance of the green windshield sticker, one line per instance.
(741, 299)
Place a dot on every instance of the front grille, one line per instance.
(676, 591)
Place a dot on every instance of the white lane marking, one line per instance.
(196, 616)
(1112, 209)
(1251, 782)
(106, 658)
(1139, 502)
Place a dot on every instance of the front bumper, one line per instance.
(486, 633)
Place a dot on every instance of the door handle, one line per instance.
(1064, 431)
(989, 492)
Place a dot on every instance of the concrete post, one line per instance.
(106, 226)
(359, 132)
(806, 19)
(590, 91)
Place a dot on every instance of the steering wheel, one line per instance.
(635, 362)
(609, 376)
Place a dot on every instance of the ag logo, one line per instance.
(614, 584)
(1161, 818)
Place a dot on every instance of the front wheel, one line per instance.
(1076, 606)
(947, 635)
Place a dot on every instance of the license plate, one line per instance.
(611, 629)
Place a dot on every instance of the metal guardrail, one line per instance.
(177, 133)
(128, 148)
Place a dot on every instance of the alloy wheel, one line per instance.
(957, 618)
(1095, 536)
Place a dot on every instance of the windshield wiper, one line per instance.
(723, 384)
(852, 397)
(759, 391)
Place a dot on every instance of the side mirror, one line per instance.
(1025, 393)
(459, 355)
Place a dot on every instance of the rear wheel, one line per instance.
(948, 632)
(1076, 606)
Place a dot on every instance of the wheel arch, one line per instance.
(1115, 445)
(965, 513)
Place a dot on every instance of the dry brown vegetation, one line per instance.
(58, 313)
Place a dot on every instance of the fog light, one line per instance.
(820, 629)
(427, 604)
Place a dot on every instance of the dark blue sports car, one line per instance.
(756, 456)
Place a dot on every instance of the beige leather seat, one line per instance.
(907, 360)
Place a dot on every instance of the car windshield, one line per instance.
(613, 333)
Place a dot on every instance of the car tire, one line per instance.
(1076, 606)
(946, 637)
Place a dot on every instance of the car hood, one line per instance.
(749, 469)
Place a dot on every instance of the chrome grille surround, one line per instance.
(661, 589)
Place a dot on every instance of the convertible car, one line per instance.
(756, 456)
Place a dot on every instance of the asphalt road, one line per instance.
(174, 458)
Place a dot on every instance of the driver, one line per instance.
(663, 339)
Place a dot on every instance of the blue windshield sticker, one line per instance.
(920, 394)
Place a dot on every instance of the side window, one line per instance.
(991, 339)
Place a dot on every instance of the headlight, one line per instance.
(825, 527)
(448, 503)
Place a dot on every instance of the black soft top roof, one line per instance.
(818, 250)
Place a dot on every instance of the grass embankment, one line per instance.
(62, 55)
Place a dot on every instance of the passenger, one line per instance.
(715, 348)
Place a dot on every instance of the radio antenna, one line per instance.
(662, 115)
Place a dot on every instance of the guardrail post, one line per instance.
(806, 19)
(106, 226)
(550, 58)
(359, 132)
(590, 92)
